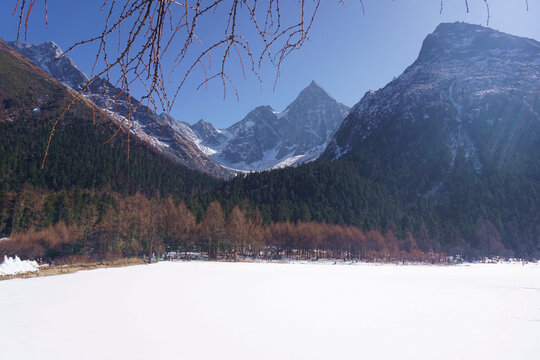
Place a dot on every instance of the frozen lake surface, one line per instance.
(204, 310)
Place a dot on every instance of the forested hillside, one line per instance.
(447, 150)
(80, 156)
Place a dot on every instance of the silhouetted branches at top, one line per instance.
(138, 35)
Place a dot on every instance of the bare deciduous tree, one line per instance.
(212, 228)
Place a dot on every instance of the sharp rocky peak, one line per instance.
(204, 126)
(264, 108)
(49, 48)
(50, 58)
(313, 91)
(461, 40)
(203, 123)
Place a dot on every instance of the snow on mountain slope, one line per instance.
(173, 139)
(267, 139)
(472, 95)
(459, 70)
(48, 56)
(264, 139)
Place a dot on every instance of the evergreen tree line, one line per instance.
(351, 192)
(79, 158)
(89, 225)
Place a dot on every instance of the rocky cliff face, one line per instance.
(471, 96)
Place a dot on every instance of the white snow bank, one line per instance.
(12, 266)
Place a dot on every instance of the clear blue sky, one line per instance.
(348, 54)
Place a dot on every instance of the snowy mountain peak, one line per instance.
(313, 91)
(314, 85)
(51, 59)
(266, 138)
(204, 128)
(203, 123)
(461, 40)
(207, 133)
(263, 109)
(54, 46)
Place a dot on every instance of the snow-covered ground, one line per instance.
(204, 310)
(12, 266)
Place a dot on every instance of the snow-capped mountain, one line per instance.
(48, 56)
(471, 96)
(267, 139)
(172, 138)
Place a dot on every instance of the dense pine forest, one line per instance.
(87, 225)
(341, 192)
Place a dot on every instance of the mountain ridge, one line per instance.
(79, 157)
(144, 123)
(298, 134)
(266, 138)
(443, 81)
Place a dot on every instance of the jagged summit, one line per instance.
(313, 90)
(201, 122)
(50, 57)
(207, 132)
(462, 40)
(261, 108)
(314, 86)
(315, 94)
(204, 126)
(266, 138)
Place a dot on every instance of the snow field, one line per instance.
(205, 310)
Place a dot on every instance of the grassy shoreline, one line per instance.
(72, 268)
